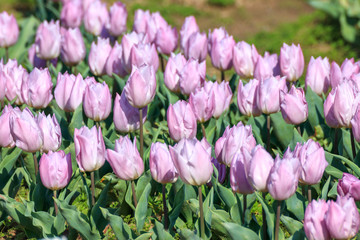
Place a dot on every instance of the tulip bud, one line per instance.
(349, 185)
(36, 61)
(140, 88)
(126, 117)
(269, 94)
(221, 50)
(171, 74)
(115, 63)
(73, 49)
(71, 14)
(266, 66)
(284, 176)
(161, 165)
(125, 159)
(55, 169)
(244, 59)
(342, 218)
(291, 62)
(181, 121)
(144, 54)
(314, 220)
(118, 17)
(127, 42)
(329, 110)
(166, 40)
(202, 102)
(188, 28)
(50, 130)
(6, 139)
(196, 47)
(318, 75)
(293, 105)
(37, 90)
(348, 70)
(90, 158)
(238, 180)
(9, 30)
(96, 17)
(25, 131)
(247, 98)
(13, 77)
(48, 40)
(192, 161)
(98, 56)
(97, 101)
(141, 18)
(192, 76)
(222, 93)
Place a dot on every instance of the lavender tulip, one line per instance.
(115, 63)
(166, 40)
(221, 168)
(221, 50)
(36, 61)
(144, 54)
(266, 66)
(6, 139)
(291, 62)
(125, 159)
(192, 76)
(247, 98)
(55, 169)
(318, 75)
(88, 158)
(172, 70)
(155, 23)
(347, 70)
(118, 17)
(238, 180)
(71, 14)
(9, 30)
(202, 103)
(162, 167)
(293, 105)
(13, 77)
(196, 47)
(97, 101)
(329, 110)
(269, 94)
(127, 43)
(314, 220)
(73, 49)
(51, 132)
(99, 53)
(349, 185)
(222, 94)
(96, 18)
(141, 18)
(48, 40)
(244, 59)
(188, 28)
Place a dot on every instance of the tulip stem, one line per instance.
(55, 205)
(36, 165)
(265, 236)
(244, 208)
(133, 193)
(162, 62)
(268, 126)
(141, 133)
(68, 117)
(7, 54)
(74, 70)
(92, 175)
(335, 147)
(352, 143)
(299, 130)
(277, 226)
(166, 220)
(202, 224)
(203, 130)
(309, 194)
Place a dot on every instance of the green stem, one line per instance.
(268, 126)
(162, 62)
(222, 76)
(244, 209)
(7, 54)
(166, 220)
(352, 143)
(265, 236)
(299, 130)
(309, 194)
(134, 193)
(141, 133)
(202, 224)
(336, 140)
(55, 205)
(68, 117)
(74, 70)
(36, 165)
(92, 188)
(203, 130)
(277, 226)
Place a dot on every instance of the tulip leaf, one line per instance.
(76, 120)
(13, 183)
(292, 225)
(128, 196)
(96, 215)
(142, 183)
(333, 191)
(284, 132)
(159, 232)
(296, 205)
(141, 209)
(121, 229)
(344, 146)
(225, 195)
(219, 217)
(325, 189)
(7, 167)
(257, 128)
(270, 215)
(29, 165)
(144, 236)
(188, 234)
(315, 108)
(348, 162)
(177, 206)
(333, 171)
(236, 231)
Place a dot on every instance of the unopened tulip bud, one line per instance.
(318, 75)
(115, 62)
(269, 94)
(172, 70)
(349, 185)
(196, 47)
(144, 54)
(166, 40)
(244, 59)
(6, 139)
(192, 76)
(314, 220)
(161, 165)
(203, 104)
(118, 17)
(48, 40)
(73, 49)
(51, 132)
(247, 98)
(71, 14)
(188, 28)
(293, 105)
(291, 62)
(223, 95)
(97, 101)
(9, 30)
(99, 53)
(96, 17)
(238, 180)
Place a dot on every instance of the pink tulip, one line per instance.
(71, 14)
(215, 36)
(222, 93)
(188, 28)
(118, 17)
(51, 132)
(192, 75)
(314, 220)
(329, 110)
(6, 139)
(196, 47)
(9, 32)
(13, 77)
(291, 62)
(25, 131)
(266, 66)
(37, 90)
(244, 59)
(181, 121)
(126, 117)
(144, 54)
(55, 169)
(141, 18)
(347, 70)
(268, 100)
(36, 61)
(202, 102)
(349, 185)
(115, 63)
(140, 88)
(247, 98)
(161, 165)
(69, 91)
(238, 180)
(293, 105)
(155, 23)
(318, 75)
(221, 50)
(192, 161)
(355, 124)
(127, 42)
(221, 168)
(48, 40)
(99, 53)
(96, 17)
(97, 101)
(88, 158)
(172, 70)
(73, 49)
(166, 40)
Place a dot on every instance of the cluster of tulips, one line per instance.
(269, 84)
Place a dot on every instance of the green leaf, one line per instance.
(325, 189)
(87, 189)
(236, 231)
(333, 191)
(348, 27)
(315, 108)
(7, 168)
(76, 120)
(188, 234)
(144, 236)
(160, 233)
(96, 214)
(348, 162)
(226, 195)
(121, 229)
(270, 215)
(141, 209)
(296, 205)
(177, 206)
(292, 225)
(331, 7)
(219, 217)
(284, 132)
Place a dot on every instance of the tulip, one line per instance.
(25, 131)
(115, 63)
(166, 40)
(222, 52)
(171, 74)
(9, 30)
(238, 180)
(55, 170)
(153, 25)
(291, 61)
(293, 105)
(349, 185)
(196, 47)
(232, 140)
(97, 101)
(221, 168)
(269, 94)
(284, 176)
(126, 117)
(192, 76)
(161, 165)
(141, 18)
(98, 56)
(71, 14)
(342, 218)
(90, 158)
(85, 4)
(118, 17)
(314, 220)
(73, 48)
(188, 28)
(51, 132)
(140, 88)
(6, 139)
(96, 18)
(223, 95)
(37, 90)
(69, 91)
(266, 66)
(181, 121)
(329, 110)
(355, 124)
(144, 54)
(258, 166)
(13, 77)
(244, 59)
(36, 61)
(347, 70)
(202, 102)
(48, 40)
(318, 75)
(125, 159)
(215, 36)
(192, 161)
(127, 42)
(247, 98)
